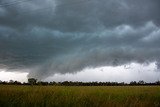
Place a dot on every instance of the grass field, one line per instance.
(72, 96)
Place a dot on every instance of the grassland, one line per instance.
(72, 96)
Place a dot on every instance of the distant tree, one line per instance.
(32, 81)
(157, 82)
(133, 83)
(52, 83)
(11, 81)
(42, 83)
(121, 84)
(141, 82)
(65, 83)
(17, 83)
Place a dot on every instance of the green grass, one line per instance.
(72, 96)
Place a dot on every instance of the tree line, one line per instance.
(33, 81)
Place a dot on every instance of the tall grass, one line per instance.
(72, 96)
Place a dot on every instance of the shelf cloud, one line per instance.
(66, 36)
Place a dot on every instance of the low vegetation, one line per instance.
(79, 96)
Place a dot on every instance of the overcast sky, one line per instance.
(74, 39)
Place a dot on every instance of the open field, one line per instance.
(82, 96)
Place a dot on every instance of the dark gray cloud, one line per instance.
(60, 36)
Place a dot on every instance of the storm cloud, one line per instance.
(66, 36)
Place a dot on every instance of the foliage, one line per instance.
(33, 81)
